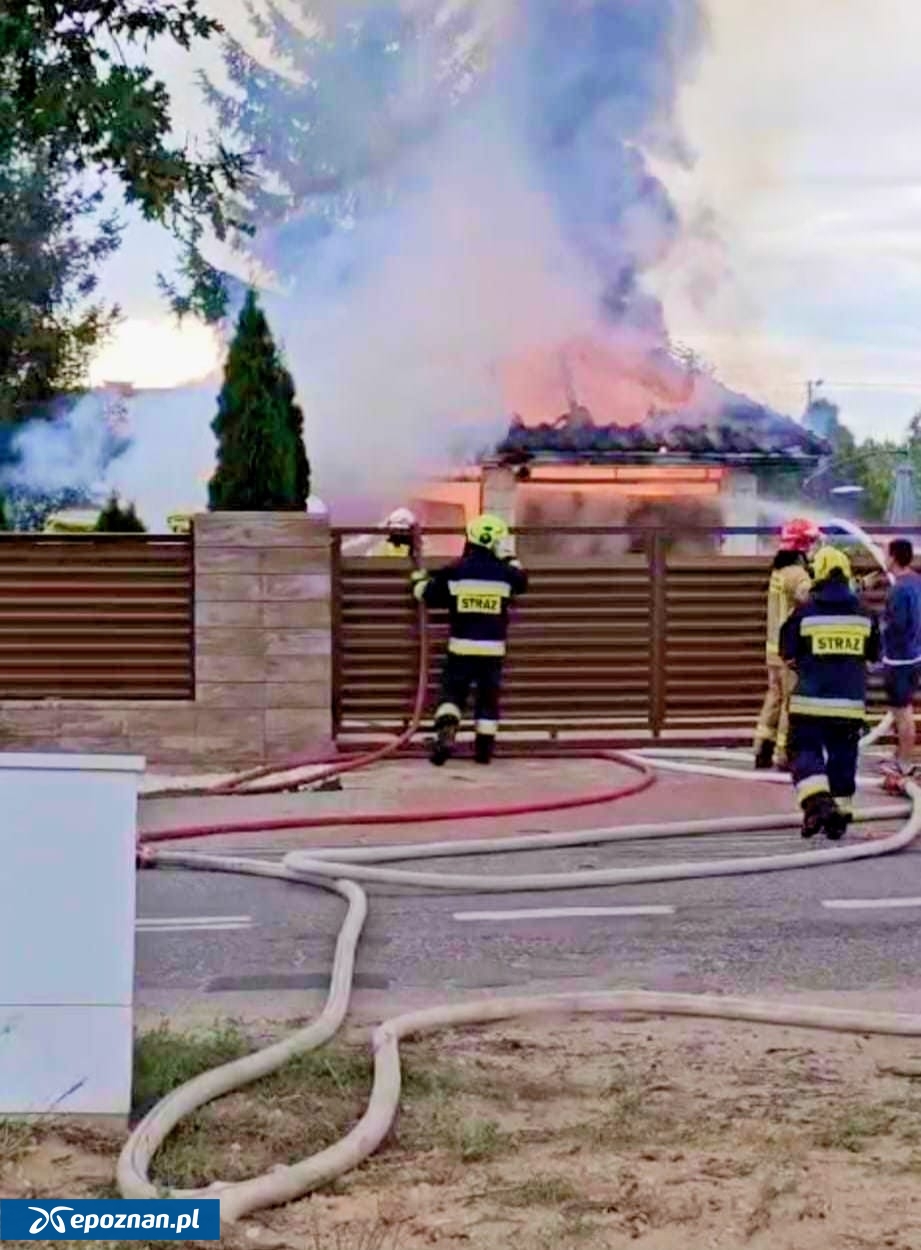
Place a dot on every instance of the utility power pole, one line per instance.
(569, 386)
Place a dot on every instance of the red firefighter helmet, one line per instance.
(799, 535)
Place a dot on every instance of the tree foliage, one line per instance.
(115, 519)
(74, 88)
(29, 509)
(48, 272)
(294, 419)
(261, 462)
(331, 119)
(870, 464)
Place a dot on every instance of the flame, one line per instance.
(617, 384)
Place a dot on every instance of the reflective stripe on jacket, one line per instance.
(388, 547)
(477, 590)
(830, 640)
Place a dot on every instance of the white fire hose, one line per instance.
(340, 869)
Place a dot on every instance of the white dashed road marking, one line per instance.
(868, 904)
(558, 913)
(191, 924)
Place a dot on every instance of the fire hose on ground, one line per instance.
(341, 869)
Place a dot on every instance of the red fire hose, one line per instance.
(645, 778)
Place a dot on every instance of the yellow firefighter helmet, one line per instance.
(487, 531)
(829, 559)
(179, 522)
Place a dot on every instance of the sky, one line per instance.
(801, 254)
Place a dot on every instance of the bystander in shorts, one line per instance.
(901, 684)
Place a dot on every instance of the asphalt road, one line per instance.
(204, 935)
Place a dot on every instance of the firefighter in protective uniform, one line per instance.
(790, 585)
(477, 590)
(401, 539)
(829, 640)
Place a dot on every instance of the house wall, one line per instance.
(558, 496)
(739, 501)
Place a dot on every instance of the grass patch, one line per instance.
(851, 1128)
(475, 1140)
(540, 1191)
(633, 1119)
(307, 1105)
(16, 1137)
(432, 1126)
(164, 1059)
(304, 1107)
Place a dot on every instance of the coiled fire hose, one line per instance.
(341, 869)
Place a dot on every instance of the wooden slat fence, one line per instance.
(106, 616)
(650, 643)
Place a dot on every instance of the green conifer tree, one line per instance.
(114, 519)
(261, 462)
(295, 420)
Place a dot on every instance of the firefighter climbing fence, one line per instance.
(96, 616)
(653, 643)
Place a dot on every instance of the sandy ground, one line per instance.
(658, 1135)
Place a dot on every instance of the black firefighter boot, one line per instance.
(483, 747)
(837, 824)
(819, 813)
(443, 746)
(764, 755)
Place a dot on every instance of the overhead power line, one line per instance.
(882, 386)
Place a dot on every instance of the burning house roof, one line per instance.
(738, 430)
(623, 404)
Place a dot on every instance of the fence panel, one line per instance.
(96, 616)
(650, 642)
(715, 622)
(579, 650)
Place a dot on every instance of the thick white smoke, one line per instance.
(400, 375)
(519, 224)
(153, 448)
(501, 205)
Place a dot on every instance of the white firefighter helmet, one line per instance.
(400, 519)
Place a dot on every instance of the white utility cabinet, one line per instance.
(68, 829)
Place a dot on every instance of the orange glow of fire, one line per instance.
(614, 475)
(617, 386)
(644, 490)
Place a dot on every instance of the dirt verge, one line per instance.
(597, 1135)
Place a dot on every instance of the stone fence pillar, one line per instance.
(263, 644)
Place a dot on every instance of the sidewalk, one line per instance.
(404, 786)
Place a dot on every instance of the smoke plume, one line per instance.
(506, 207)
(153, 448)
(471, 187)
